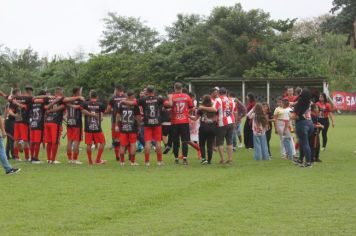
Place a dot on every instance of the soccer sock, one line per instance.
(122, 157)
(147, 157)
(117, 151)
(89, 156)
(159, 156)
(196, 146)
(49, 151)
(32, 150)
(75, 155)
(132, 158)
(69, 154)
(27, 153)
(54, 152)
(16, 152)
(100, 153)
(36, 150)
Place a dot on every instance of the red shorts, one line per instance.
(74, 134)
(95, 138)
(21, 132)
(114, 134)
(153, 133)
(36, 136)
(126, 138)
(52, 133)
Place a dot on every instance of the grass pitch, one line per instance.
(247, 198)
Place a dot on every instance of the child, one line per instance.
(279, 124)
(287, 131)
(315, 139)
(270, 118)
(259, 128)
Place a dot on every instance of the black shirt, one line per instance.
(24, 113)
(207, 117)
(37, 116)
(55, 117)
(74, 115)
(115, 103)
(128, 122)
(93, 124)
(152, 109)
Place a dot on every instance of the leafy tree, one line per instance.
(127, 35)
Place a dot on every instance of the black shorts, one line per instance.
(182, 131)
(224, 132)
(166, 130)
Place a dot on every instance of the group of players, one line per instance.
(38, 119)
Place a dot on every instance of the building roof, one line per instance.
(222, 79)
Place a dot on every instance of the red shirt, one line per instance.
(291, 99)
(182, 103)
(325, 109)
(225, 107)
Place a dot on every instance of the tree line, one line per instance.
(229, 42)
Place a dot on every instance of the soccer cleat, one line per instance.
(77, 162)
(35, 161)
(13, 171)
(185, 161)
(56, 162)
(160, 163)
(240, 145)
(17, 159)
(100, 162)
(122, 163)
(147, 164)
(70, 162)
(49, 161)
(134, 164)
(323, 149)
(204, 162)
(176, 161)
(166, 150)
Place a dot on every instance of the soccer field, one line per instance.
(246, 198)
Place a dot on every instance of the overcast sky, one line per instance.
(66, 26)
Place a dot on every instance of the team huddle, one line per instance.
(176, 120)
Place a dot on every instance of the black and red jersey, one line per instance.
(23, 114)
(128, 122)
(37, 115)
(115, 103)
(93, 124)
(152, 110)
(74, 115)
(54, 117)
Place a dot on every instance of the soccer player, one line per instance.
(181, 104)
(94, 111)
(127, 118)
(112, 107)
(36, 127)
(74, 126)
(20, 109)
(152, 119)
(54, 107)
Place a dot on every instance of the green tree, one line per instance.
(127, 34)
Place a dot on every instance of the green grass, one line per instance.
(247, 198)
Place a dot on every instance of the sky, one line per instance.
(64, 27)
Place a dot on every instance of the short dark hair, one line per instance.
(150, 89)
(15, 91)
(178, 86)
(119, 87)
(75, 90)
(42, 92)
(29, 88)
(93, 94)
(223, 91)
(232, 94)
(130, 93)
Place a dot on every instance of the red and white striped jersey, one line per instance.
(225, 107)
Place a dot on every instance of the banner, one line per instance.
(344, 101)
